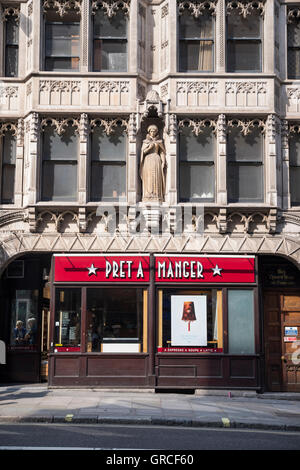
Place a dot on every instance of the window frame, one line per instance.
(107, 162)
(198, 39)
(114, 39)
(60, 21)
(237, 163)
(297, 132)
(244, 39)
(3, 165)
(13, 46)
(60, 161)
(291, 48)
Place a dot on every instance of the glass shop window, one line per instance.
(241, 322)
(190, 319)
(244, 41)
(108, 165)
(196, 42)
(62, 42)
(8, 170)
(67, 318)
(59, 165)
(115, 320)
(110, 42)
(197, 165)
(24, 319)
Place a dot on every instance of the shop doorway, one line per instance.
(282, 340)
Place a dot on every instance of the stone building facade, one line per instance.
(237, 84)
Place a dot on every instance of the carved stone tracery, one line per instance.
(197, 125)
(111, 7)
(110, 124)
(10, 11)
(245, 7)
(60, 124)
(197, 8)
(8, 127)
(62, 7)
(247, 125)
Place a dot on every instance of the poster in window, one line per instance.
(188, 320)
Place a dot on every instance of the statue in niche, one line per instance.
(152, 167)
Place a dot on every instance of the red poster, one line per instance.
(101, 268)
(206, 269)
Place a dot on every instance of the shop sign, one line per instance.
(190, 350)
(290, 330)
(290, 339)
(101, 268)
(222, 269)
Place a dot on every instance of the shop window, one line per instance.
(62, 42)
(24, 319)
(294, 149)
(196, 164)
(110, 42)
(196, 41)
(241, 322)
(59, 164)
(245, 170)
(67, 319)
(8, 168)
(108, 164)
(116, 320)
(293, 44)
(11, 27)
(190, 319)
(244, 39)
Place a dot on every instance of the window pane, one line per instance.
(59, 181)
(294, 150)
(197, 148)
(12, 31)
(108, 182)
(60, 147)
(62, 47)
(109, 147)
(294, 63)
(115, 27)
(245, 183)
(295, 185)
(110, 55)
(241, 322)
(245, 147)
(11, 61)
(114, 316)
(67, 317)
(9, 148)
(8, 184)
(60, 64)
(239, 27)
(24, 318)
(244, 56)
(196, 182)
(293, 34)
(191, 27)
(196, 55)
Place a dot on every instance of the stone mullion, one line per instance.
(34, 160)
(220, 37)
(19, 164)
(86, 33)
(221, 162)
(285, 156)
(83, 160)
(270, 161)
(132, 163)
(173, 162)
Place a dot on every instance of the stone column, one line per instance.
(83, 159)
(270, 161)
(171, 197)
(33, 159)
(132, 162)
(220, 37)
(86, 35)
(286, 197)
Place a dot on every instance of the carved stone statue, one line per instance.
(152, 167)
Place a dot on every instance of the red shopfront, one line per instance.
(154, 321)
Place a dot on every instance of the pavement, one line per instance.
(36, 403)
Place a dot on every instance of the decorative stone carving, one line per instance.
(8, 127)
(62, 6)
(60, 92)
(61, 124)
(10, 11)
(9, 97)
(197, 8)
(293, 14)
(246, 93)
(246, 7)
(109, 124)
(152, 166)
(197, 93)
(108, 92)
(197, 125)
(247, 125)
(110, 7)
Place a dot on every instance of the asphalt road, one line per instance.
(107, 437)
